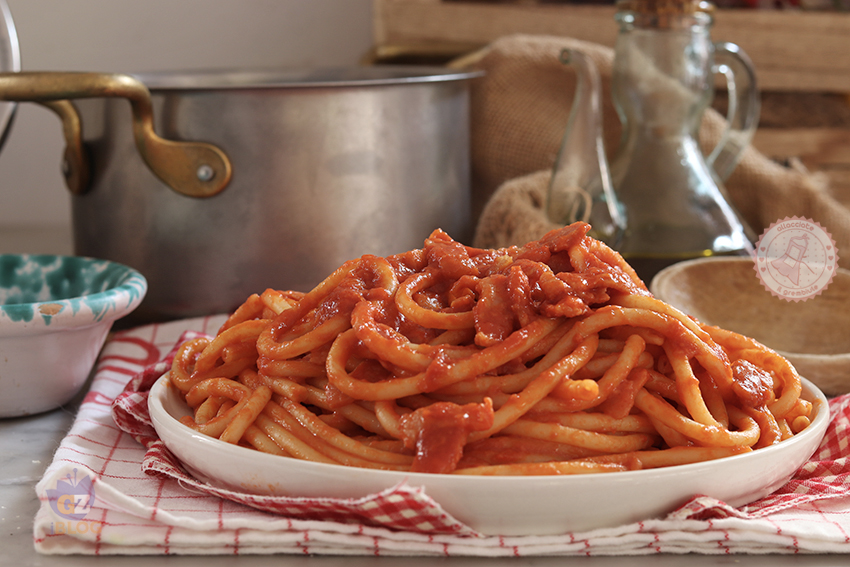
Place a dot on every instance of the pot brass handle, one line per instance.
(195, 169)
(76, 167)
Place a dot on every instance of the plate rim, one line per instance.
(817, 427)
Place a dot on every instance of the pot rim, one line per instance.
(331, 77)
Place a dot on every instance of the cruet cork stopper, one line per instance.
(666, 7)
(665, 13)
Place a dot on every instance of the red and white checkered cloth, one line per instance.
(140, 501)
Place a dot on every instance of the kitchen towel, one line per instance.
(105, 493)
(519, 112)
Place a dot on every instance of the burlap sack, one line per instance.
(519, 115)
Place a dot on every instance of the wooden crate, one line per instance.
(800, 56)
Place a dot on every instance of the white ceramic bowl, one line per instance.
(813, 334)
(508, 505)
(55, 313)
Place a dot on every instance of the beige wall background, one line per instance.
(152, 35)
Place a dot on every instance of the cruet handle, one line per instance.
(744, 107)
(580, 188)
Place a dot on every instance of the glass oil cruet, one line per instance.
(666, 201)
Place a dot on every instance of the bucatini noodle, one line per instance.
(551, 358)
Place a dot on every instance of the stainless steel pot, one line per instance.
(297, 173)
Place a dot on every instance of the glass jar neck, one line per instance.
(662, 78)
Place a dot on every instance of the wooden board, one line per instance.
(792, 51)
(795, 54)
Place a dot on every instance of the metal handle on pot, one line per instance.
(195, 169)
(75, 163)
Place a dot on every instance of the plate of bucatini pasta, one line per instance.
(530, 390)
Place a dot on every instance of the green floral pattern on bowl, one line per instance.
(52, 290)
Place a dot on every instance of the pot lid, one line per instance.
(10, 61)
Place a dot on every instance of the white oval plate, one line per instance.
(510, 506)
